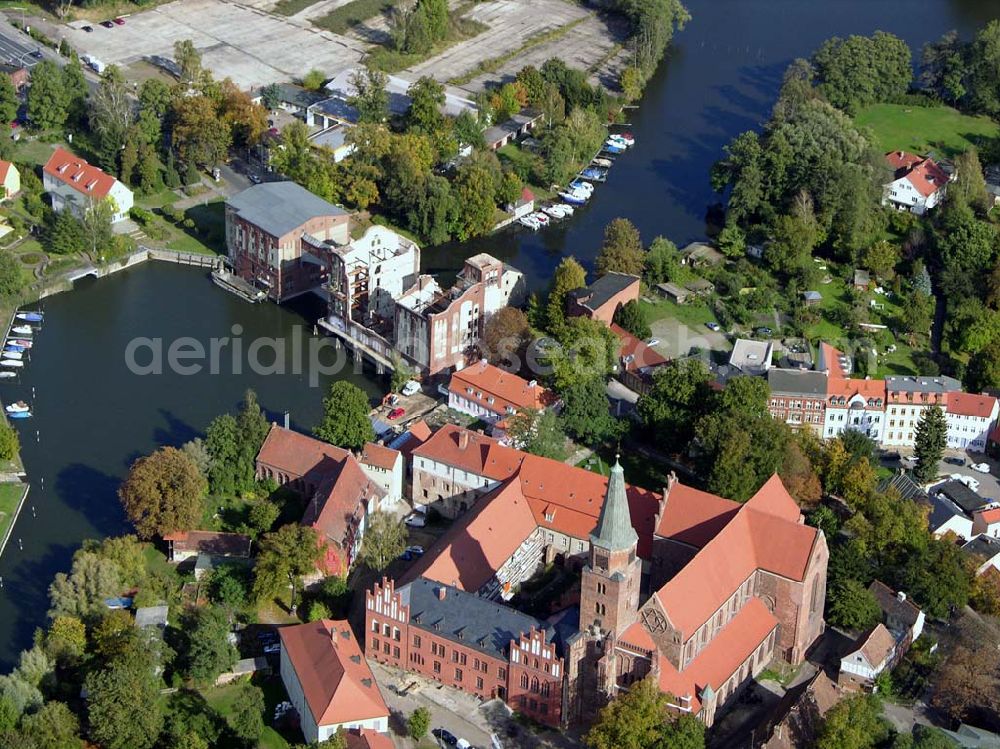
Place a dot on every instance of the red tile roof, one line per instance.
(337, 684)
(924, 174)
(470, 451)
(764, 534)
(722, 656)
(636, 634)
(4, 168)
(876, 644)
(694, 517)
(73, 171)
(366, 738)
(831, 358)
(989, 516)
(210, 542)
(379, 456)
(298, 454)
(867, 389)
(496, 390)
(970, 404)
(635, 353)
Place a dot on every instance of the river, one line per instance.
(93, 416)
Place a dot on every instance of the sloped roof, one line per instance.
(765, 533)
(961, 495)
(907, 487)
(379, 456)
(496, 389)
(876, 645)
(366, 738)
(722, 656)
(297, 454)
(334, 676)
(694, 517)
(635, 353)
(971, 404)
(796, 381)
(989, 516)
(832, 361)
(280, 207)
(867, 389)
(614, 529)
(470, 451)
(211, 542)
(923, 173)
(903, 610)
(603, 290)
(75, 172)
(5, 167)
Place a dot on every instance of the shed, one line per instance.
(700, 287)
(673, 292)
(812, 298)
(862, 279)
(701, 253)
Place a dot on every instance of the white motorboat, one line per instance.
(22, 330)
(567, 209)
(15, 355)
(11, 363)
(22, 342)
(7, 375)
(541, 218)
(601, 161)
(530, 222)
(581, 185)
(29, 316)
(18, 407)
(554, 211)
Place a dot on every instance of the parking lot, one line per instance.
(249, 46)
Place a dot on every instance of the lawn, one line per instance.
(356, 12)
(922, 129)
(693, 314)
(10, 496)
(221, 700)
(291, 7)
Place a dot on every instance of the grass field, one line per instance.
(339, 20)
(694, 314)
(10, 495)
(922, 129)
(221, 700)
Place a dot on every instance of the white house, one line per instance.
(918, 183)
(899, 614)
(328, 680)
(855, 404)
(985, 550)
(370, 273)
(906, 399)
(492, 394)
(385, 467)
(75, 185)
(872, 654)
(970, 419)
(986, 523)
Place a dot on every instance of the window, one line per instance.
(534, 685)
(395, 652)
(458, 674)
(479, 683)
(524, 681)
(416, 641)
(454, 656)
(545, 689)
(375, 644)
(386, 630)
(501, 672)
(374, 626)
(385, 648)
(437, 667)
(395, 634)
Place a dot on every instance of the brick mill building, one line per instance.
(698, 591)
(281, 238)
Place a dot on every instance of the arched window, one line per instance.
(524, 681)
(534, 685)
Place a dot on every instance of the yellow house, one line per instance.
(10, 178)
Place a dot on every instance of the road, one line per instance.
(17, 49)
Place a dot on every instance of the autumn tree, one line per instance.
(639, 718)
(505, 337)
(622, 251)
(246, 121)
(345, 417)
(163, 493)
(199, 135)
(384, 540)
(967, 684)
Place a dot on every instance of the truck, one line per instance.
(93, 63)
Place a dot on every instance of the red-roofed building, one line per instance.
(637, 361)
(75, 185)
(386, 467)
(366, 738)
(918, 182)
(338, 489)
(970, 418)
(986, 522)
(731, 586)
(10, 180)
(329, 682)
(492, 394)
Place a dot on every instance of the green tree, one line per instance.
(631, 317)
(123, 702)
(538, 433)
(128, 162)
(247, 716)
(426, 99)
(47, 100)
(860, 70)
(622, 250)
(853, 723)
(732, 241)
(112, 113)
(222, 445)
(345, 417)
(569, 276)
(851, 605)
(475, 188)
(188, 59)
(229, 586)
(371, 98)
(931, 439)
(9, 442)
(81, 593)
(662, 262)
(677, 397)
(9, 102)
(262, 515)
(66, 639)
(631, 83)
(418, 723)
(881, 258)
(270, 96)
(313, 80)
(209, 651)
(163, 493)
(983, 370)
(54, 726)
(384, 540)
(12, 280)
(587, 350)
(76, 90)
(586, 414)
(317, 611)
(639, 719)
(284, 556)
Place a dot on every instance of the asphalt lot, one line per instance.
(989, 483)
(239, 42)
(18, 51)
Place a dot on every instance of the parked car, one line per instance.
(713, 326)
(88, 29)
(412, 387)
(955, 461)
(763, 331)
(417, 551)
(445, 737)
(416, 520)
(272, 647)
(969, 481)
(653, 342)
(254, 178)
(37, 54)
(119, 21)
(397, 412)
(108, 24)
(980, 467)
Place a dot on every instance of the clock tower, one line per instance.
(609, 584)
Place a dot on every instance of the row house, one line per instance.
(906, 399)
(970, 419)
(467, 643)
(798, 397)
(492, 394)
(855, 404)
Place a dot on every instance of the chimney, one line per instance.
(442, 592)
(532, 384)
(463, 439)
(901, 596)
(671, 480)
(288, 420)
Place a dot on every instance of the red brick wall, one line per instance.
(536, 678)
(606, 312)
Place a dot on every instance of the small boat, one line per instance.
(16, 355)
(579, 185)
(555, 211)
(22, 342)
(11, 363)
(603, 163)
(614, 148)
(540, 217)
(29, 316)
(22, 330)
(574, 198)
(20, 415)
(18, 407)
(625, 139)
(7, 375)
(529, 222)
(14, 347)
(594, 173)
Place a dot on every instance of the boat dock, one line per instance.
(236, 285)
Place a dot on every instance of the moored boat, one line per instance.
(14, 347)
(18, 407)
(16, 355)
(574, 198)
(22, 342)
(11, 363)
(7, 375)
(29, 316)
(541, 218)
(555, 211)
(606, 163)
(20, 415)
(529, 222)
(22, 330)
